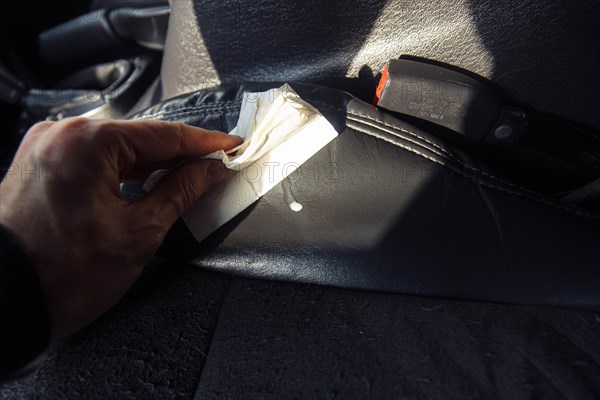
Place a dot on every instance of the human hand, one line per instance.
(61, 198)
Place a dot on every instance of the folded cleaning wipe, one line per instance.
(281, 132)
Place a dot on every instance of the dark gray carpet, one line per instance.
(277, 341)
(184, 333)
(152, 345)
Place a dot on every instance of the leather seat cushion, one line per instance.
(388, 207)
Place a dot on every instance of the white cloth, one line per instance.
(281, 132)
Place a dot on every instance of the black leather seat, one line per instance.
(391, 208)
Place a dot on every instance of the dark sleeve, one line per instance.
(24, 321)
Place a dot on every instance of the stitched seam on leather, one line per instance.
(402, 137)
(178, 110)
(399, 145)
(217, 106)
(189, 111)
(201, 106)
(392, 126)
(182, 115)
(403, 130)
(453, 157)
(479, 181)
(204, 111)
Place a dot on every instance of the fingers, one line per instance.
(127, 147)
(158, 141)
(179, 189)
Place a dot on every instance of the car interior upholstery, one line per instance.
(425, 263)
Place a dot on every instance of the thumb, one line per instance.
(179, 188)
